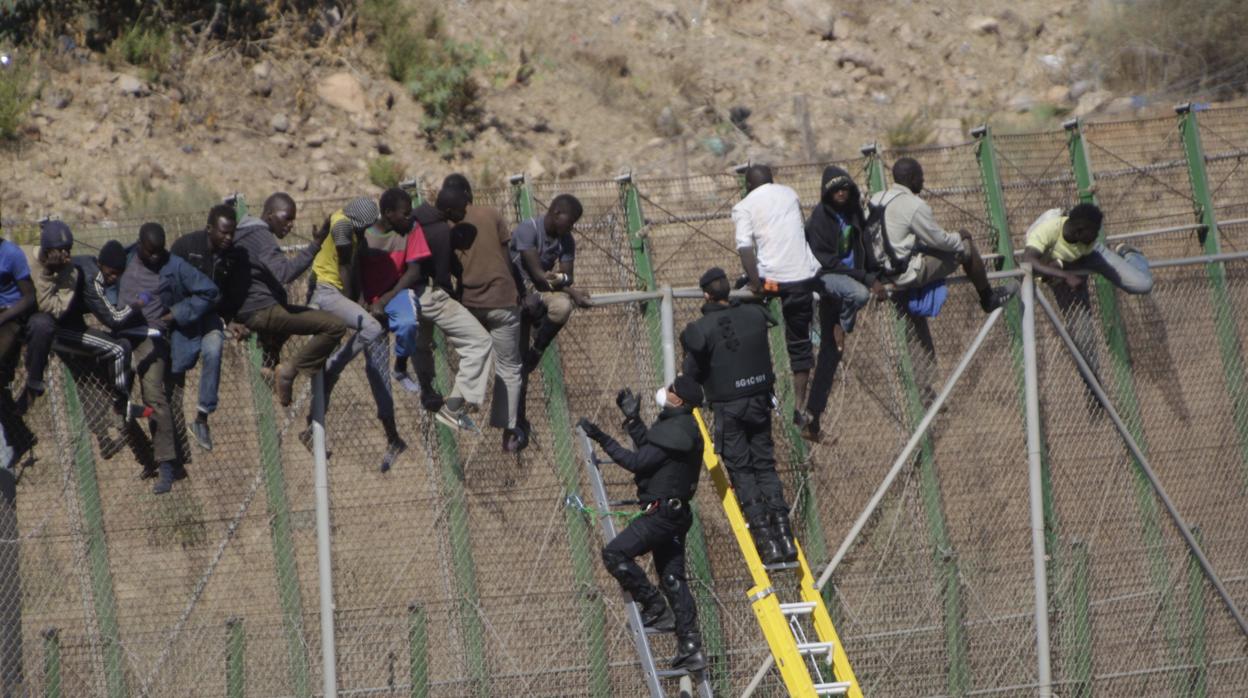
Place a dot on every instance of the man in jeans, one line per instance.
(212, 252)
(439, 307)
(17, 302)
(266, 308)
(488, 291)
(172, 295)
(771, 241)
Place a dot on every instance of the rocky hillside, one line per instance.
(566, 89)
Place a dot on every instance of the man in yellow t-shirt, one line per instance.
(1059, 246)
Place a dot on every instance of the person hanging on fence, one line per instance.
(726, 350)
(266, 308)
(488, 291)
(835, 232)
(442, 225)
(173, 297)
(212, 252)
(537, 246)
(771, 242)
(335, 286)
(915, 254)
(17, 304)
(665, 466)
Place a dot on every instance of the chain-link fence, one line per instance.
(464, 570)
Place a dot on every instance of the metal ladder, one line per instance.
(652, 675)
(800, 658)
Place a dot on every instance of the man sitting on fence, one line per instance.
(1058, 246)
(173, 297)
(914, 252)
(266, 308)
(537, 246)
(212, 252)
(665, 468)
(17, 302)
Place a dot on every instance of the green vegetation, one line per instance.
(101, 22)
(146, 46)
(911, 131)
(180, 208)
(15, 99)
(1162, 46)
(385, 172)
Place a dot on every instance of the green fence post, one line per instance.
(235, 670)
(695, 542)
(52, 663)
(593, 613)
(958, 678)
(1078, 632)
(1198, 683)
(97, 542)
(279, 523)
(418, 650)
(1128, 404)
(806, 508)
(452, 472)
(1223, 307)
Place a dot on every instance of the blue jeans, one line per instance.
(848, 292)
(210, 347)
(403, 317)
(1128, 272)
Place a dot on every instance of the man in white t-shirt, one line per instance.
(771, 241)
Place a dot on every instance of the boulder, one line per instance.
(131, 86)
(984, 25)
(280, 123)
(343, 91)
(815, 16)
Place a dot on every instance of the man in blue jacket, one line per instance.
(173, 297)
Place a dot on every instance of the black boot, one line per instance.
(656, 615)
(782, 534)
(764, 541)
(689, 655)
(542, 338)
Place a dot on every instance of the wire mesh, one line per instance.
(462, 572)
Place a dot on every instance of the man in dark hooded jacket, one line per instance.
(665, 467)
(847, 278)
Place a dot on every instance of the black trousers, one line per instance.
(660, 532)
(743, 441)
(829, 358)
(797, 306)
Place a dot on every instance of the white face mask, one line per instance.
(660, 397)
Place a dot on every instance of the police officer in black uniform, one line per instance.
(727, 350)
(665, 467)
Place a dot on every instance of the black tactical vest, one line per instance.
(738, 358)
(677, 434)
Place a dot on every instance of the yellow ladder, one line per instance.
(798, 659)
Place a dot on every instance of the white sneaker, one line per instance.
(407, 382)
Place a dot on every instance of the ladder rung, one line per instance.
(781, 566)
(809, 648)
(670, 673)
(797, 608)
(832, 689)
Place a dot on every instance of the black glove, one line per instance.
(629, 404)
(591, 430)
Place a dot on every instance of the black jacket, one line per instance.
(826, 228)
(668, 458)
(99, 300)
(442, 266)
(228, 270)
(726, 350)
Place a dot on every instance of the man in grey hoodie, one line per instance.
(266, 308)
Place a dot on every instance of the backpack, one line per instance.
(876, 230)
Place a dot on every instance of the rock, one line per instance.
(816, 16)
(188, 149)
(264, 88)
(534, 168)
(316, 140)
(1091, 101)
(343, 91)
(984, 25)
(567, 170)
(323, 166)
(1081, 88)
(859, 61)
(666, 123)
(384, 148)
(1021, 102)
(301, 183)
(131, 86)
(58, 99)
(1121, 105)
(176, 96)
(99, 199)
(280, 123)
(1058, 94)
(262, 70)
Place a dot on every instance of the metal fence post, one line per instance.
(1077, 632)
(1116, 338)
(235, 650)
(324, 554)
(452, 473)
(593, 613)
(418, 650)
(279, 524)
(695, 542)
(97, 542)
(1199, 681)
(1223, 307)
(805, 505)
(52, 663)
(958, 678)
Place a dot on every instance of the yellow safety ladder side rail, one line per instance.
(825, 629)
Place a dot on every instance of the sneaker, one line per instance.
(110, 446)
(200, 433)
(149, 471)
(432, 401)
(284, 383)
(179, 472)
(456, 419)
(393, 450)
(164, 480)
(511, 441)
(1123, 249)
(409, 384)
(305, 438)
(810, 428)
(998, 296)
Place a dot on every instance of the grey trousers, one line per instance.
(464, 333)
(503, 324)
(370, 337)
